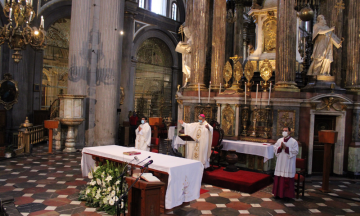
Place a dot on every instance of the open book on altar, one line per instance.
(149, 177)
(186, 137)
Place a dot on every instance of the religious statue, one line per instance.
(185, 49)
(322, 55)
(122, 95)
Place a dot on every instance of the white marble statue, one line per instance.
(322, 56)
(185, 49)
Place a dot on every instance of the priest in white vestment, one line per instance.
(202, 133)
(143, 136)
(285, 149)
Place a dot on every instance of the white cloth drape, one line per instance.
(265, 150)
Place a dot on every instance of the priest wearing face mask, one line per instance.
(202, 133)
(143, 136)
(286, 149)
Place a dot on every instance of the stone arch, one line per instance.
(345, 99)
(55, 10)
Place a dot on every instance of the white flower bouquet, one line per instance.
(103, 190)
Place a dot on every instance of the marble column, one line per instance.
(238, 33)
(218, 44)
(198, 51)
(286, 47)
(353, 46)
(237, 118)
(218, 117)
(108, 71)
(79, 53)
(188, 23)
(127, 79)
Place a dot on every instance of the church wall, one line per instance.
(304, 125)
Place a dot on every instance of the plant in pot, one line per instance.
(9, 151)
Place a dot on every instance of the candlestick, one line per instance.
(269, 94)
(245, 93)
(199, 91)
(257, 88)
(209, 92)
(220, 89)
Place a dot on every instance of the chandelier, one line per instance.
(18, 33)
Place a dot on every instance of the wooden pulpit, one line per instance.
(155, 122)
(329, 138)
(51, 124)
(144, 197)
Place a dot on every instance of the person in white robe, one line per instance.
(143, 135)
(202, 133)
(285, 149)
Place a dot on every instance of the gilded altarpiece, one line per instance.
(228, 120)
(187, 114)
(207, 111)
(286, 118)
(269, 29)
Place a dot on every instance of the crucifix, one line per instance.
(340, 5)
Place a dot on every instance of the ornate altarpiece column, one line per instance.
(286, 47)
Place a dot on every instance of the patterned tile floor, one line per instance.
(45, 184)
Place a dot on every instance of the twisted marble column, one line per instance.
(286, 47)
(218, 44)
(107, 79)
(353, 46)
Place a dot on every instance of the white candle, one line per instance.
(31, 14)
(42, 22)
(269, 94)
(220, 89)
(199, 91)
(257, 88)
(209, 92)
(10, 13)
(245, 93)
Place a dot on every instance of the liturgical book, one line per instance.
(149, 177)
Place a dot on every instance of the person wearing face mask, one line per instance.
(143, 136)
(202, 133)
(286, 149)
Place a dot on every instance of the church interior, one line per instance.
(179, 107)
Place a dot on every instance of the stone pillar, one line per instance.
(237, 118)
(108, 71)
(198, 51)
(238, 33)
(218, 117)
(127, 79)
(286, 47)
(175, 72)
(79, 52)
(353, 46)
(188, 23)
(218, 43)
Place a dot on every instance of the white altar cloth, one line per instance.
(171, 132)
(265, 150)
(184, 175)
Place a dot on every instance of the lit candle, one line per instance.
(199, 91)
(209, 92)
(245, 93)
(42, 22)
(31, 14)
(10, 13)
(269, 94)
(257, 88)
(220, 89)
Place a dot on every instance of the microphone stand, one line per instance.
(124, 196)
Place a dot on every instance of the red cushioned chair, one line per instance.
(300, 177)
(154, 146)
(216, 146)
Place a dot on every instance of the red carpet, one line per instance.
(244, 181)
(202, 191)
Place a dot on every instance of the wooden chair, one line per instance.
(154, 145)
(216, 146)
(300, 177)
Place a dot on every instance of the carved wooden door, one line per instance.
(322, 122)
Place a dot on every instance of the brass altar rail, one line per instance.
(28, 136)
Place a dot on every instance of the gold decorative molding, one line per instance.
(180, 102)
(187, 113)
(227, 73)
(331, 103)
(237, 105)
(218, 105)
(249, 71)
(227, 120)
(286, 118)
(269, 29)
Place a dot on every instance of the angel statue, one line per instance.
(185, 49)
(322, 55)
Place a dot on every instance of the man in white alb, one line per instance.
(202, 133)
(143, 136)
(286, 149)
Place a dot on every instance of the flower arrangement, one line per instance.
(102, 191)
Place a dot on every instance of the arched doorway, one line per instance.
(55, 65)
(153, 79)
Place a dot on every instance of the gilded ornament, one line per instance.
(331, 102)
(227, 120)
(227, 73)
(266, 73)
(306, 14)
(286, 118)
(249, 73)
(122, 93)
(269, 29)
(187, 113)
(238, 73)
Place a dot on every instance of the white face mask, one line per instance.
(285, 134)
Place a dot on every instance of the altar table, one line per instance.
(265, 150)
(183, 176)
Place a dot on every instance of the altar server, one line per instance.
(143, 136)
(202, 133)
(286, 149)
